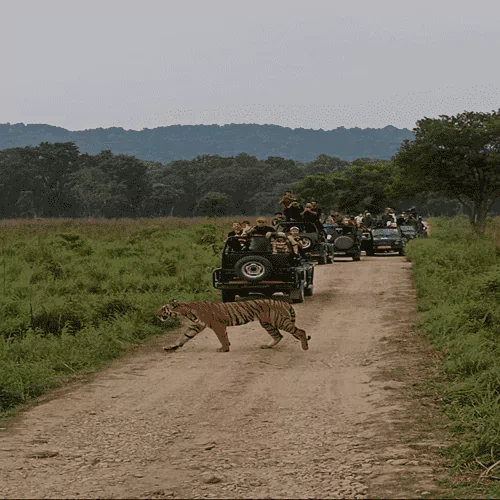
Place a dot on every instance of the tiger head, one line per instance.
(167, 311)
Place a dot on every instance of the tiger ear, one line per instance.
(174, 303)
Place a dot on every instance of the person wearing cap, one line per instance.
(295, 240)
(280, 243)
(368, 220)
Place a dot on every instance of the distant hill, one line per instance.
(177, 142)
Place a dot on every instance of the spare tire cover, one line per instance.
(253, 268)
(344, 242)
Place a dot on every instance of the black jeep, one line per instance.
(388, 239)
(314, 240)
(346, 240)
(249, 267)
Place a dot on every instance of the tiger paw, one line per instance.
(223, 349)
(265, 346)
(171, 347)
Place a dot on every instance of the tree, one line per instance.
(358, 187)
(127, 182)
(214, 204)
(322, 188)
(325, 164)
(91, 191)
(365, 186)
(165, 191)
(43, 170)
(457, 156)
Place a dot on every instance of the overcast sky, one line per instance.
(310, 63)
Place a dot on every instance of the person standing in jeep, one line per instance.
(293, 212)
(316, 209)
(286, 200)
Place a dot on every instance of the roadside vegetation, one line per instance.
(457, 276)
(74, 293)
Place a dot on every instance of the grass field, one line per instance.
(75, 293)
(457, 275)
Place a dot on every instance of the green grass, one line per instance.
(75, 293)
(457, 276)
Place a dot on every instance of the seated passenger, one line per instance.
(278, 217)
(261, 228)
(246, 226)
(348, 227)
(295, 241)
(280, 243)
(233, 243)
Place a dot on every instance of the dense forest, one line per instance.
(451, 165)
(165, 144)
(57, 180)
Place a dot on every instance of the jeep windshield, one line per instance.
(304, 227)
(408, 229)
(386, 232)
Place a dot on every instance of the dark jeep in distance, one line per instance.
(250, 268)
(388, 239)
(314, 240)
(346, 240)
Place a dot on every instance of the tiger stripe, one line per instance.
(273, 315)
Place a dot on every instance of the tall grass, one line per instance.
(75, 293)
(457, 275)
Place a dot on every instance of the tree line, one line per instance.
(452, 166)
(184, 142)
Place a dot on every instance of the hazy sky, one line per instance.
(309, 63)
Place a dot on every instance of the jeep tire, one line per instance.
(253, 268)
(298, 294)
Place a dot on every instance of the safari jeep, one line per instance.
(346, 242)
(388, 239)
(250, 268)
(314, 241)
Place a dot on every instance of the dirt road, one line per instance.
(252, 423)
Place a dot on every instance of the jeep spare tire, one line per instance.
(306, 242)
(253, 268)
(343, 243)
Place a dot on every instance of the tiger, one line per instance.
(273, 315)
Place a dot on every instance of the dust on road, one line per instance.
(250, 423)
